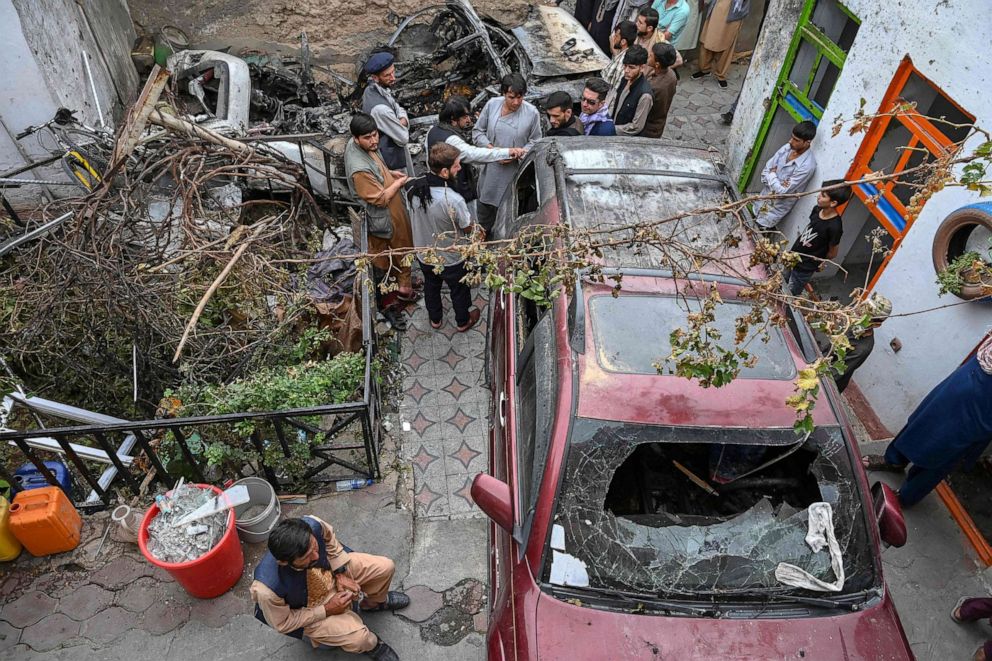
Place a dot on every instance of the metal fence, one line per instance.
(116, 443)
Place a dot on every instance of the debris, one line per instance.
(351, 485)
(698, 481)
(169, 542)
(236, 495)
(293, 499)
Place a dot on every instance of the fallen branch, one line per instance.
(206, 297)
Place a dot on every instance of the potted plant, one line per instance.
(969, 275)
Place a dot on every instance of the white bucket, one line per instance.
(256, 529)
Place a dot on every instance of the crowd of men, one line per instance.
(472, 157)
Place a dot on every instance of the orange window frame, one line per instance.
(880, 200)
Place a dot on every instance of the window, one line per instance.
(631, 516)
(632, 333)
(536, 393)
(895, 143)
(525, 191)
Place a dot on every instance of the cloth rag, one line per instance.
(820, 533)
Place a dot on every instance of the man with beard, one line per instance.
(390, 118)
(306, 584)
(454, 119)
(440, 220)
(595, 115)
(378, 189)
(624, 37)
(561, 115)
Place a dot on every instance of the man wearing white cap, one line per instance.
(390, 118)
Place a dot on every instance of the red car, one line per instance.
(641, 516)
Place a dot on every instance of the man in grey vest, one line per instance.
(389, 117)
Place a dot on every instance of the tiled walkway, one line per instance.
(444, 411)
(694, 118)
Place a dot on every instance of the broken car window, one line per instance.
(670, 510)
(612, 202)
(620, 326)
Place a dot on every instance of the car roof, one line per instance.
(614, 183)
(678, 401)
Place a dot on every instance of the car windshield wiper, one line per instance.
(851, 601)
(641, 599)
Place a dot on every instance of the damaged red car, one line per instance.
(637, 515)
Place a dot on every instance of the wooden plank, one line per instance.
(137, 118)
(966, 523)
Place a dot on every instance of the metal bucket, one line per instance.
(256, 529)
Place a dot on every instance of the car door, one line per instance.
(504, 345)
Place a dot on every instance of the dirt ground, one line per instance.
(337, 29)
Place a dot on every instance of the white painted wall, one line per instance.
(41, 67)
(949, 43)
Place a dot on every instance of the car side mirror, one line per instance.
(888, 515)
(493, 498)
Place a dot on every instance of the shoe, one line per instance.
(473, 319)
(382, 652)
(411, 296)
(727, 118)
(437, 325)
(721, 83)
(699, 74)
(955, 610)
(394, 602)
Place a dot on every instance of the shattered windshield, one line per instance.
(675, 510)
(620, 324)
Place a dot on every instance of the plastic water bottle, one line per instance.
(350, 485)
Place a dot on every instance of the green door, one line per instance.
(812, 66)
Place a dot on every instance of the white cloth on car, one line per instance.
(820, 533)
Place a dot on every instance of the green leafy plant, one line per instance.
(333, 381)
(965, 269)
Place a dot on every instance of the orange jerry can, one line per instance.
(44, 521)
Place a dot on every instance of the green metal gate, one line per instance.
(816, 55)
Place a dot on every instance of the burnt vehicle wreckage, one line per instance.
(441, 50)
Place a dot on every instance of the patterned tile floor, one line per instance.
(444, 411)
(445, 400)
(694, 118)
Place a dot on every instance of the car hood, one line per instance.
(567, 631)
(544, 33)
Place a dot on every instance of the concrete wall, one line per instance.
(949, 44)
(41, 65)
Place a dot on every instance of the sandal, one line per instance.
(437, 326)
(876, 462)
(394, 602)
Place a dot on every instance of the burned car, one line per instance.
(449, 49)
(440, 50)
(637, 514)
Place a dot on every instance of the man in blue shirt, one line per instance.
(673, 15)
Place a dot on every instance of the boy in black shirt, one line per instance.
(821, 238)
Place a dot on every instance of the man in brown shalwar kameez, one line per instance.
(718, 37)
(310, 586)
(378, 188)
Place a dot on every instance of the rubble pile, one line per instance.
(184, 543)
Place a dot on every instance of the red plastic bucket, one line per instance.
(213, 573)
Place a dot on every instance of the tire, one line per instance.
(952, 236)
